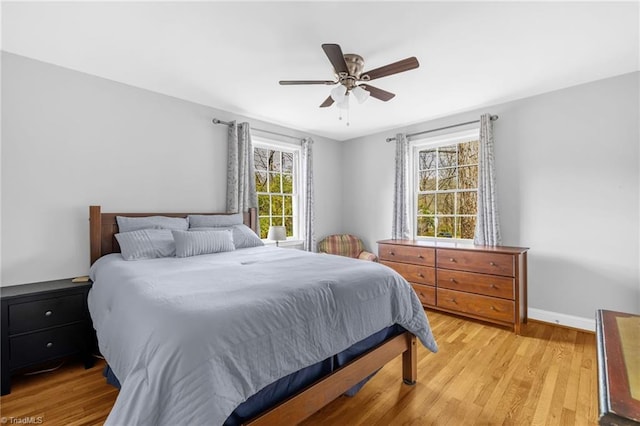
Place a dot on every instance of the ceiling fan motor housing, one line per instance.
(355, 65)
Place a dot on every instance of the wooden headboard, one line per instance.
(103, 227)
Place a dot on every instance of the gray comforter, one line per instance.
(192, 338)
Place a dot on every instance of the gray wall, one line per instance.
(71, 139)
(568, 188)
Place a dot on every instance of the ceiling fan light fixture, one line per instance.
(344, 103)
(338, 93)
(360, 94)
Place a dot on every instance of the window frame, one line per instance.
(421, 144)
(296, 150)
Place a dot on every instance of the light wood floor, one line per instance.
(482, 375)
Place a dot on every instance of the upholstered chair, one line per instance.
(345, 245)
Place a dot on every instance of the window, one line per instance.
(446, 186)
(276, 168)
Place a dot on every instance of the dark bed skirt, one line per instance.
(289, 385)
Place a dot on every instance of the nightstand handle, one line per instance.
(48, 313)
(49, 345)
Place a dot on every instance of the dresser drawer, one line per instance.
(482, 306)
(426, 294)
(489, 285)
(44, 313)
(47, 344)
(414, 273)
(486, 263)
(409, 254)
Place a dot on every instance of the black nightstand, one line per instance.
(42, 322)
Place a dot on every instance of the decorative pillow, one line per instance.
(193, 243)
(243, 236)
(146, 244)
(128, 224)
(214, 220)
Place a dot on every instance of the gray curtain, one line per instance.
(241, 180)
(400, 225)
(487, 223)
(309, 237)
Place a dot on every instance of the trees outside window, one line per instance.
(446, 188)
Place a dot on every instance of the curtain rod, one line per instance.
(493, 118)
(227, 123)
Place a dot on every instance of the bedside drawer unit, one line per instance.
(426, 293)
(45, 313)
(414, 273)
(486, 263)
(42, 322)
(475, 304)
(407, 254)
(488, 285)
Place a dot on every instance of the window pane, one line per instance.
(468, 153)
(261, 181)
(447, 156)
(447, 179)
(467, 226)
(428, 181)
(277, 204)
(287, 162)
(287, 184)
(264, 227)
(445, 203)
(274, 161)
(274, 182)
(467, 203)
(288, 205)
(427, 159)
(426, 203)
(288, 224)
(276, 221)
(263, 206)
(445, 227)
(426, 226)
(261, 158)
(468, 177)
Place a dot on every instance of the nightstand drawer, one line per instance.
(44, 345)
(486, 263)
(416, 255)
(45, 313)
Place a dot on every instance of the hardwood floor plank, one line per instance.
(482, 375)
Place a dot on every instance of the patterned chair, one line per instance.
(345, 245)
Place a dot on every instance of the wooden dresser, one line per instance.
(481, 282)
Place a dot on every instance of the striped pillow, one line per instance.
(194, 243)
(146, 244)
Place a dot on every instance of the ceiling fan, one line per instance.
(348, 73)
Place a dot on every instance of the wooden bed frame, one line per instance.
(102, 230)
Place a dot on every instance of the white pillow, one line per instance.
(214, 220)
(243, 236)
(146, 244)
(194, 243)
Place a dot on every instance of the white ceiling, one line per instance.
(231, 55)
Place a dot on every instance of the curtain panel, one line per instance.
(488, 221)
(308, 206)
(400, 225)
(241, 180)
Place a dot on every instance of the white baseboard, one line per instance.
(588, 324)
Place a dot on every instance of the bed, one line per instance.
(194, 339)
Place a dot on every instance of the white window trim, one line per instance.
(261, 142)
(432, 142)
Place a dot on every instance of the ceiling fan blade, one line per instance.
(394, 68)
(293, 82)
(383, 95)
(334, 53)
(327, 102)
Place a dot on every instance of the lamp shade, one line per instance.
(277, 233)
(338, 92)
(360, 94)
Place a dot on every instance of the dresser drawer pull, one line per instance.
(453, 280)
(453, 300)
(49, 345)
(391, 253)
(420, 275)
(451, 259)
(48, 313)
(492, 263)
(420, 256)
(493, 286)
(493, 308)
